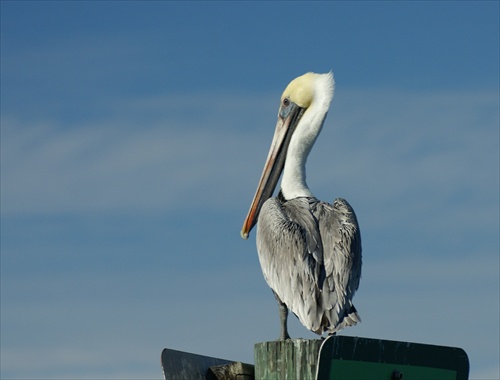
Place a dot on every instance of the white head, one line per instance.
(313, 93)
(304, 105)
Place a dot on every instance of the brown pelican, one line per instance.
(309, 250)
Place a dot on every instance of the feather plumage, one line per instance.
(310, 254)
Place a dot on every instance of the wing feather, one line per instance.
(339, 230)
(291, 258)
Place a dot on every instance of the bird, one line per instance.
(309, 250)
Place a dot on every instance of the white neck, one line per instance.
(293, 183)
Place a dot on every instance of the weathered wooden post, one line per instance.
(290, 359)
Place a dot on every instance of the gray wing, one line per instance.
(291, 257)
(341, 237)
(310, 254)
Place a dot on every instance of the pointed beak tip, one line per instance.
(244, 234)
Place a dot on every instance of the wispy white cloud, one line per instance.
(395, 146)
(127, 166)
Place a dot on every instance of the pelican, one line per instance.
(309, 250)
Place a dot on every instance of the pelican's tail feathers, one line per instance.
(350, 318)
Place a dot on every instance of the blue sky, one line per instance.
(133, 135)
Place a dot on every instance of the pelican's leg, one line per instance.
(283, 318)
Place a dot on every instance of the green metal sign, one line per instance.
(345, 358)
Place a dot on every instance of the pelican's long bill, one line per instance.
(288, 118)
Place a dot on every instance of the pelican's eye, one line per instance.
(286, 102)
